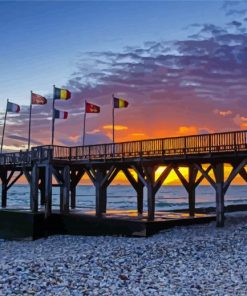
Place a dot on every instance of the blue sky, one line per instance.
(42, 42)
(182, 65)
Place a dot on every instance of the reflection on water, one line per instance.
(124, 197)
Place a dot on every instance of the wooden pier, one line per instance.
(67, 165)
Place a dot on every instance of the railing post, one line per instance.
(89, 156)
(210, 143)
(162, 147)
(140, 152)
(70, 154)
(185, 144)
(49, 153)
(234, 142)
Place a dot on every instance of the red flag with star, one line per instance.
(91, 108)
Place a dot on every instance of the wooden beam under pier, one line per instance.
(4, 188)
(138, 186)
(75, 177)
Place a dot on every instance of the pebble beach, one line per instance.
(191, 260)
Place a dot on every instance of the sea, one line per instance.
(122, 197)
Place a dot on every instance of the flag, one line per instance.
(91, 108)
(61, 94)
(60, 114)
(12, 107)
(120, 103)
(38, 100)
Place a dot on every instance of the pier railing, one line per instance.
(173, 146)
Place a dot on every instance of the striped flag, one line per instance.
(60, 114)
(12, 107)
(61, 94)
(120, 103)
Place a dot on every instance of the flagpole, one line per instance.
(4, 124)
(113, 125)
(53, 117)
(84, 125)
(30, 119)
(113, 121)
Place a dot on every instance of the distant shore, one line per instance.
(191, 260)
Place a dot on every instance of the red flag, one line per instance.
(91, 108)
(38, 99)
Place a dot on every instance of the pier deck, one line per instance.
(23, 224)
(203, 155)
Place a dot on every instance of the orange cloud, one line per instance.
(138, 136)
(117, 127)
(241, 121)
(186, 130)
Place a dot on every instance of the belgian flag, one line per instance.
(61, 94)
(119, 103)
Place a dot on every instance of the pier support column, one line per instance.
(64, 203)
(73, 197)
(101, 178)
(190, 186)
(48, 190)
(192, 201)
(4, 188)
(101, 192)
(150, 184)
(191, 189)
(138, 186)
(219, 187)
(42, 186)
(101, 200)
(34, 188)
(139, 192)
(146, 175)
(75, 178)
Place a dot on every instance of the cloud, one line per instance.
(95, 131)
(223, 113)
(187, 130)
(237, 8)
(138, 134)
(116, 127)
(235, 24)
(240, 121)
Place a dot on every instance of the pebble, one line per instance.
(191, 260)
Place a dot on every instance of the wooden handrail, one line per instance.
(194, 144)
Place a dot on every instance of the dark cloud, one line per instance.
(235, 24)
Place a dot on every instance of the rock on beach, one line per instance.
(191, 260)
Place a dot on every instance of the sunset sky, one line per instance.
(182, 65)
